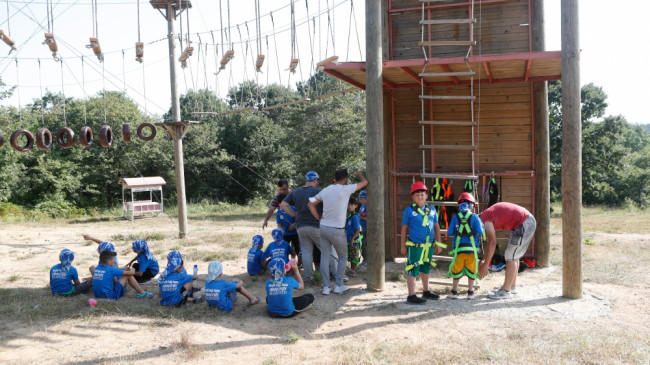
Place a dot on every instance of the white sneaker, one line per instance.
(345, 279)
(326, 290)
(513, 289)
(341, 289)
(500, 294)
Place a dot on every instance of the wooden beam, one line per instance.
(350, 81)
(529, 63)
(412, 74)
(387, 84)
(488, 71)
(446, 68)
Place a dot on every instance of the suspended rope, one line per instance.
(49, 36)
(20, 108)
(94, 40)
(5, 36)
(83, 78)
(65, 118)
(40, 86)
(126, 119)
(139, 46)
(258, 37)
(275, 42)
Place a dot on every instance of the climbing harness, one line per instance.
(464, 230)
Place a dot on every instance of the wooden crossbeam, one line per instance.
(488, 72)
(446, 68)
(529, 63)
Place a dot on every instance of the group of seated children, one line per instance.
(110, 282)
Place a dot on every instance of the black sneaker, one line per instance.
(414, 299)
(430, 295)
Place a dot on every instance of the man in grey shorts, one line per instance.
(507, 216)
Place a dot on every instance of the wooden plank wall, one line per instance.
(503, 136)
(500, 28)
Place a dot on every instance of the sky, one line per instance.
(610, 39)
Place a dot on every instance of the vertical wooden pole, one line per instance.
(542, 149)
(374, 145)
(176, 114)
(571, 153)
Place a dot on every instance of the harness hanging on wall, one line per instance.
(493, 192)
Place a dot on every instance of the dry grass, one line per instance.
(189, 350)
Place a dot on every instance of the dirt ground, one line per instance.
(610, 324)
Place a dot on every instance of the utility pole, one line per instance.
(170, 9)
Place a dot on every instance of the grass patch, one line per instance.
(395, 277)
(187, 347)
(292, 338)
(318, 279)
(14, 277)
(207, 256)
(589, 242)
(147, 236)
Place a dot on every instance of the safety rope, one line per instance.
(40, 86)
(65, 119)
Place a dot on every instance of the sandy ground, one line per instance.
(610, 323)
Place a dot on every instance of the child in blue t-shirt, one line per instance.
(287, 223)
(222, 294)
(279, 296)
(64, 279)
(255, 257)
(364, 223)
(466, 232)
(176, 285)
(109, 282)
(352, 230)
(147, 266)
(279, 248)
(101, 247)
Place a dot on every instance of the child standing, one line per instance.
(466, 230)
(279, 248)
(255, 257)
(176, 285)
(279, 296)
(147, 266)
(419, 228)
(109, 282)
(363, 217)
(352, 230)
(64, 279)
(222, 294)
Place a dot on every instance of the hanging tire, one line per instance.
(14, 140)
(86, 136)
(44, 139)
(65, 138)
(105, 136)
(126, 133)
(2, 140)
(151, 127)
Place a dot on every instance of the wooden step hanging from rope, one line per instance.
(51, 44)
(97, 50)
(139, 51)
(320, 66)
(229, 55)
(185, 55)
(8, 41)
(259, 63)
(293, 65)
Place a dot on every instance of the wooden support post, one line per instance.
(375, 146)
(542, 192)
(571, 153)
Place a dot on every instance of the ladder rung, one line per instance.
(447, 21)
(448, 147)
(447, 43)
(450, 176)
(448, 97)
(448, 122)
(443, 203)
(447, 74)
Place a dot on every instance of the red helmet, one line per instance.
(417, 186)
(466, 197)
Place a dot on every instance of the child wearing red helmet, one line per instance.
(419, 228)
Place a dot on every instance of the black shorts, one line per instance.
(301, 303)
(146, 275)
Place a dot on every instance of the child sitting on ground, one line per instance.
(147, 266)
(176, 285)
(279, 296)
(64, 279)
(255, 257)
(222, 294)
(466, 231)
(101, 247)
(279, 248)
(109, 282)
(352, 232)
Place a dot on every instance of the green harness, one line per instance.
(426, 246)
(464, 230)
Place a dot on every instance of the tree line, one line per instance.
(236, 157)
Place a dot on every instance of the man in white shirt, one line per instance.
(332, 225)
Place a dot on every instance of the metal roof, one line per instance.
(142, 182)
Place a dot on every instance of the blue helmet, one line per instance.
(362, 194)
(311, 176)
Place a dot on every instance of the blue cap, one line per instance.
(311, 176)
(257, 241)
(362, 194)
(276, 234)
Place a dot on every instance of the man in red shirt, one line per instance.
(511, 217)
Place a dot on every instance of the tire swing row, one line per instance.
(65, 137)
